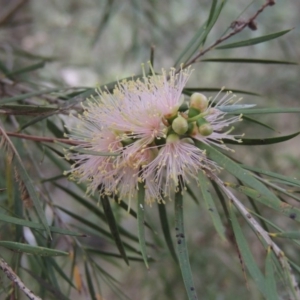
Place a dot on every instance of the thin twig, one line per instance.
(24, 89)
(12, 10)
(237, 26)
(41, 138)
(16, 279)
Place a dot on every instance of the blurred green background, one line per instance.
(93, 42)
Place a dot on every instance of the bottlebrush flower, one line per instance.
(148, 137)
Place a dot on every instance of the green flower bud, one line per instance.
(172, 138)
(180, 125)
(172, 115)
(198, 101)
(206, 129)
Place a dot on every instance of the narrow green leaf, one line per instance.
(166, 230)
(272, 202)
(105, 253)
(141, 221)
(39, 118)
(46, 286)
(245, 118)
(210, 205)
(54, 128)
(113, 227)
(249, 61)
(254, 41)
(265, 141)
(271, 290)
(230, 108)
(272, 174)
(27, 181)
(124, 205)
(248, 259)
(294, 235)
(235, 169)
(30, 224)
(182, 250)
(27, 95)
(30, 110)
(96, 210)
(27, 69)
(256, 111)
(92, 294)
(192, 194)
(59, 270)
(190, 91)
(41, 251)
(107, 11)
(191, 45)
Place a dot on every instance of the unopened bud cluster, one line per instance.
(193, 121)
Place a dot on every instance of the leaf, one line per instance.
(235, 169)
(105, 253)
(228, 108)
(27, 95)
(107, 11)
(190, 91)
(182, 250)
(254, 41)
(113, 227)
(272, 202)
(89, 282)
(95, 209)
(166, 230)
(30, 110)
(272, 174)
(41, 251)
(257, 122)
(141, 220)
(189, 49)
(294, 235)
(27, 69)
(27, 181)
(212, 18)
(60, 271)
(249, 61)
(37, 119)
(210, 205)
(246, 253)
(266, 141)
(30, 224)
(271, 291)
(124, 206)
(256, 111)
(46, 286)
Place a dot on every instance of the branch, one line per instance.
(237, 27)
(16, 279)
(41, 138)
(261, 233)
